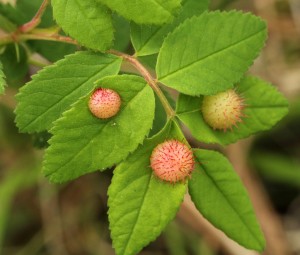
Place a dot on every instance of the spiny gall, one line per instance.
(104, 103)
(223, 110)
(172, 161)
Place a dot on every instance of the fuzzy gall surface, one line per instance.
(223, 110)
(172, 161)
(104, 103)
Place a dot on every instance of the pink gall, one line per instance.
(223, 110)
(172, 161)
(104, 103)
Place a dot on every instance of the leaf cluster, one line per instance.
(197, 52)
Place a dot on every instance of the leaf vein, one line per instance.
(228, 201)
(61, 99)
(211, 55)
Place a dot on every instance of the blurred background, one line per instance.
(38, 218)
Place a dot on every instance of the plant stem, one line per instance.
(19, 37)
(6, 40)
(150, 80)
(42, 36)
(28, 32)
(36, 20)
(25, 32)
(53, 37)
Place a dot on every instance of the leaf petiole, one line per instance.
(36, 20)
(150, 80)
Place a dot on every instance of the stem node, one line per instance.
(153, 82)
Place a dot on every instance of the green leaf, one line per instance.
(210, 53)
(140, 205)
(2, 79)
(88, 21)
(265, 106)
(145, 11)
(221, 198)
(54, 89)
(82, 143)
(160, 118)
(147, 39)
(149, 61)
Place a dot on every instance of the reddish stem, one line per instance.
(36, 20)
(150, 80)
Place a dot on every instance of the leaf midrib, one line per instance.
(138, 215)
(211, 55)
(148, 39)
(163, 8)
(93, 137)
(248, 107)
(228, 201)
(159, 29)
(82, 10)
(144, 195)
(64, 97)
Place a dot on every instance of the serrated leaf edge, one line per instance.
(52, 130)
(169, 13)
(231, 205)
(167, 129)
(106, 47)
(36, 78)
(228, 13)
(140, 53)
(244, 137)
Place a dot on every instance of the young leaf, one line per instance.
(220, 197)
(55, 88)
(82, 143)
(2, 79)
(145, 11)
(147, 39)
(88, 21)
(210, 53)
(265, 106)
(140, 205)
